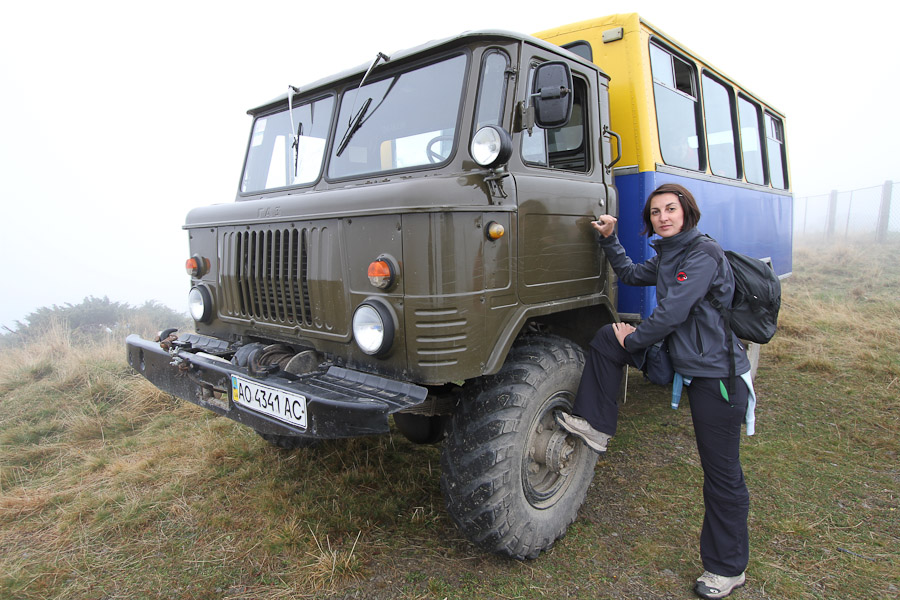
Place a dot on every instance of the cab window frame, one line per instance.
(481, 120)
(388, 73)
(256, 139)
(543, 140)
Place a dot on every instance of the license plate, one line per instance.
(274, 402)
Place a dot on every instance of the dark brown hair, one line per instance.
(688, 205)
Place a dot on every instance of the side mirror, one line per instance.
(552, 94)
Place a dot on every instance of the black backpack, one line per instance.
(753, 315)
(757, 299)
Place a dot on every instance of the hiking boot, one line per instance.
(580, 428)
(710, 585)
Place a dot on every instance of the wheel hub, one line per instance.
(552, 450)
(558, 453)
(550, 461)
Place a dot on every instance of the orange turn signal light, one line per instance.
(196, 266)
(495, 230)
(381, 273)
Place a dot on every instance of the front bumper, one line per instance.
(340, 403)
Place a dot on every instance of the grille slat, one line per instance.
(259, 274)
(292, 268)
(264, 275)
(280, 277)
(304, 272)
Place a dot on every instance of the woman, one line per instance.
(683, 271)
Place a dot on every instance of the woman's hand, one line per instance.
(606, 224)
(622, 330)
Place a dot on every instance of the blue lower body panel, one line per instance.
(751, 221)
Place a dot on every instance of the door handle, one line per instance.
(609, 132)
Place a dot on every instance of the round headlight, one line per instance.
(491, 146)
(200, 304)
(373, 328)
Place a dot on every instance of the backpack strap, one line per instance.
(701, 243)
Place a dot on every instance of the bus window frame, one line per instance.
(577, 47)
(735, 125)
(782, 147)
(699, 125)
(761, 138)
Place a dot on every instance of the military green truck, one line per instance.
(410, 241)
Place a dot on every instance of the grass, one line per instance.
(110, 489)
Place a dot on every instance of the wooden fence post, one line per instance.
(832, 214)
(884, 214)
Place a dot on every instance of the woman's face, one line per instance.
(666, 214)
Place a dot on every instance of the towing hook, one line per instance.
(166, 338)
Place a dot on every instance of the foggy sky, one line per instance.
(117, 118)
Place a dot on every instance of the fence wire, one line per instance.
(871, 211)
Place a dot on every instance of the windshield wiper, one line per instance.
(296, 146)
(355, 122)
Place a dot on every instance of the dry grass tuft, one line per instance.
(816, 365)
(331, 566)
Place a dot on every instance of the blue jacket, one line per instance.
(697, 339)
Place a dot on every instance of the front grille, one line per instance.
(264, 275)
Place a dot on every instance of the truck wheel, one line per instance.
(289, 442)
(513, 481)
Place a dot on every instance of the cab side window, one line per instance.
(492, 90)
(564, 147)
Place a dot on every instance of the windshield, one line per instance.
(280, 156)
(404, 121)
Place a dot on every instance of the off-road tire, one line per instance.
(496, 492)
(289, 442)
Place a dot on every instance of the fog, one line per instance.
(117, 118)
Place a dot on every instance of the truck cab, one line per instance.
(410, 241)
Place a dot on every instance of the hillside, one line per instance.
(110, 489)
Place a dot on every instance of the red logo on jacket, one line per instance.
(681, 276)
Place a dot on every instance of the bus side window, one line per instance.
(675, 90)
(775, 150)
(582, 49)
(720, 131)
(751, 141)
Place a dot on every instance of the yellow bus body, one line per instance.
(627, 61)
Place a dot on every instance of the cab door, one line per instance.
(560, 189)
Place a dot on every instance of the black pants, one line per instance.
(724, 544)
